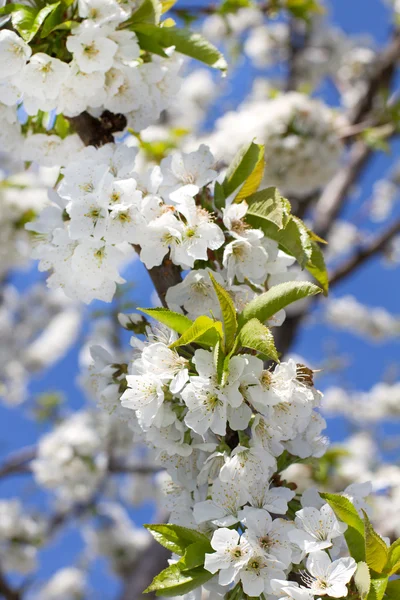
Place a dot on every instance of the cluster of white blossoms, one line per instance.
(381, 402)
(20, 536)
(101, 69)
(300, 134)
(221, 445)
(113, 536)
(73, 459)
(23, 194)
(36, 329)
(372, 323)
(103, 208)
(68, 583)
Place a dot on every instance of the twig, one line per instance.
(364, 253)
(18, 462)
(331, 200)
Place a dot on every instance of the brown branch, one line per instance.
(97, 132)
(18, 462)
(286, 334)
(332, 198)
(365, 253)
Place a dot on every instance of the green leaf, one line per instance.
(270, 206)
(54, 18)
(176, 538)
(242, 167)
(362, 579)
(376, 551)
(256, 336)
(219, 360)
(392, 591)
(167, 317)
(317, 267)
(219, 196)
(393, 562)
(194, 555)
(148, 12)
(228, 314)
(346, 512)
(266, 305)
(61, 126)
(378, 587)
(175, 582)
(185, 41)
(26, 19)
(148, 44)
(198, 330)
(254, 180)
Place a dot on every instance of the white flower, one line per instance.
(14, 53)
(290, 589)
(248, 466)
(185, 174)
(42, 77)
(91, 48)
(195, 294)
(166, 364)
(257, 574)
(330, 578)
(273, 499)
(227, 498)
(316, 528)
(246, 258)
(267, 537)
(68, 583)
(231, 554)
(144, 395)
(197, 235)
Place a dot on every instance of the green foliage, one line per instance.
(378, 587)
(303, 9)
(203, 330)
(242, 168)
(256, 336)
(167, 317)
(270, 212)
(266, 305)
(362, 579)
(392, 591)
(149, 11)
(346, 512)
(176, 538)
(27, 20)
(376, 551)
(228, 314)
(188, 573)
(392, 566)
(185, 41)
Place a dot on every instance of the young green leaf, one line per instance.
(266, 305)
(167, 317)
(392, 591)
(194, 555)
(346, 512)
(27, 20)
(54, 18)
(147, 43)
(241, 167)
(393, 563)
(185, 41)
(176, 538)
(376, 551)
(253, 181)
(149, 11)
(175, 582)
(219, 196)
(256, 336)
(228, 314)
(203, 330)
(269, 206)
(378, 587)
(362, 579)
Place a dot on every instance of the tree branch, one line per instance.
(6, 591)
(364, 253)
(18, 462)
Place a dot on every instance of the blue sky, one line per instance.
(372, 285)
